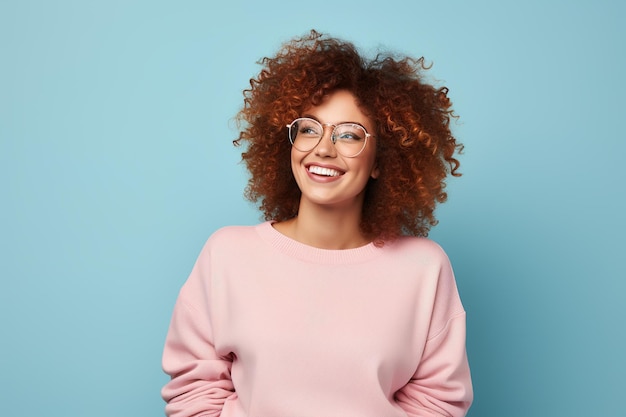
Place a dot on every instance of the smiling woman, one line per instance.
(332, 185)
(409, 119)
(341, 305)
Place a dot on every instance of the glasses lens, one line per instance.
(304, 134)
(349, 139)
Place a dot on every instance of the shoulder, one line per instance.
(426, 259)
(416, 256)
(418, 247)
(227, 233)
(231, 238)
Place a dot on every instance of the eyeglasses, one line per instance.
(349, 139)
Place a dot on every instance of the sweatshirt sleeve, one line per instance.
(441, 386)
(200, 379)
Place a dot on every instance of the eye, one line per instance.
(309, 128)
(349, 133)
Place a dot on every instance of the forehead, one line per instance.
(337, 107)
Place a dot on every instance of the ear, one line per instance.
(375, 171)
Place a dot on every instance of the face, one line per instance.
(326, 177)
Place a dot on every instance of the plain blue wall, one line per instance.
(116, 164)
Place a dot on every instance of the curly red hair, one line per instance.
(415, 147)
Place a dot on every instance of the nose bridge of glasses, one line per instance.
(331, 128)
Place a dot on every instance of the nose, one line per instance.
(325, 147)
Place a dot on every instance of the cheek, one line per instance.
(295, 163)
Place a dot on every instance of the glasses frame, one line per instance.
(333, 137)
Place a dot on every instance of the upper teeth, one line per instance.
(314, 169)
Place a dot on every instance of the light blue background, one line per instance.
(116, 164)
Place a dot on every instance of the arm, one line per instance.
(200, 379)
(442, 385)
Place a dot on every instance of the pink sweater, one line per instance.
(268, 327)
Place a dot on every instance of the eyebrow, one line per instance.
(310, 116)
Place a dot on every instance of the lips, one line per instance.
(324, 171)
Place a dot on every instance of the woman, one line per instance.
(336, 305)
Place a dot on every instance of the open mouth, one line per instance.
(326, 172)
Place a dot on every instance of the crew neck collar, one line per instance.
(296, 249)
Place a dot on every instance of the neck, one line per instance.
(325, 228)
